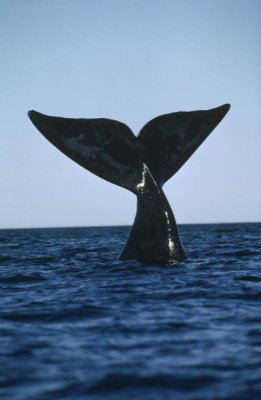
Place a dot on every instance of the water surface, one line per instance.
(78, 324)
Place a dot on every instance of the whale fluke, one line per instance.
(141, 164)
(105, 147)
(169, 140)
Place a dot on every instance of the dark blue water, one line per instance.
(76, 324)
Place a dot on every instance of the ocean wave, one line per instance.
(121, 381)
(241, 253)
(43, 259)
(5, 258)
(20, 278)
(66, 314)
(248, 278)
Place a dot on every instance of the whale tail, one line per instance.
(141, 164)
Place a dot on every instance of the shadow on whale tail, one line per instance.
(141, 164)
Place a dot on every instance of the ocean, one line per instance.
(77, 324)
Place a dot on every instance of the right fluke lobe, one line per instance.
(169, 140)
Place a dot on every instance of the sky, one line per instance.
(128, 60)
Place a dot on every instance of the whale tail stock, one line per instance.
(140, 164)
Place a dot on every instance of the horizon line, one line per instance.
(123, 225)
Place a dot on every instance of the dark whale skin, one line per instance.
(141, 164)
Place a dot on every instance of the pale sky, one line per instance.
(129, 60)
